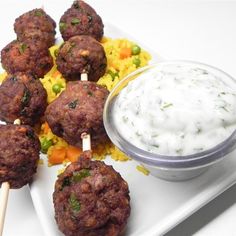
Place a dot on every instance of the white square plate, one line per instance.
(156, 205)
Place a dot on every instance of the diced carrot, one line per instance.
(57, 155)
(46, 128)
(73, 153)
(56, 73)
(22, 129)
(125, 52)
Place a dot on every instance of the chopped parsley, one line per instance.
(30, 134)
(75, 21)
(78, 176)
(38, 13)
(90, 93)
(26, 97)
(73, 104)
(66, 182)
(22, 48)
(62, 26)
(167, 105)
(74, 203)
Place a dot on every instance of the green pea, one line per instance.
(135, 50)
(56, 88)
(137, 62)
(45, 145)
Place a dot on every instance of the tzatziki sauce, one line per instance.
(177, 109)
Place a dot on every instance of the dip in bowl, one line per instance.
(176, 118)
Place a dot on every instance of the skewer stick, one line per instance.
(4, 195)
(3, 204)
(86, 142)
(84, 77)
(86, 139)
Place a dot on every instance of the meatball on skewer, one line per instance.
(36, 25)
(19, 155)
(81, 54)
(91, 198)
(78, 109)
(28, 57)
(22, 97)
(81, 19)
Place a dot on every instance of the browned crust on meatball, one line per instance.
(81, 54)
(22, 97)
(79, 109)
(27, 57)
(19, 154)
(102, 196)
(81, 19)
(37, 25)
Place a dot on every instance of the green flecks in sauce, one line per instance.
(191, 109)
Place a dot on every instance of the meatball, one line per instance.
(19, 154)
(78, 109)
(81, 19)
(26, 57)
(36, 24)
(23, 97)
(91, 199)
(81, 54)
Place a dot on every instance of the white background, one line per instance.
(195, 30)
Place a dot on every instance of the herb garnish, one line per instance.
(22, 48)
(167, 105)
(75, 21)
(73, 104)
(62, 26)
(38, 13)
(74, 203)
(26, 97)
(30, 134)
(66, 182)
(90, 93)
(79, 175)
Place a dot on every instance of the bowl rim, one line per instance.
(196, 160)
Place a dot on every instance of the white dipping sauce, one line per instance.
(177, 109)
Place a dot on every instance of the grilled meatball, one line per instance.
(81, 54)
(81, 19)
(23, 97)
(26, 57)
(19, 154)
(78, 109)
(36, 25)
(91, 199)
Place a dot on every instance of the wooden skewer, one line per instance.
(5, 188)
(3, 204)
(86, 139)
(86, 142)
(84, 77)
